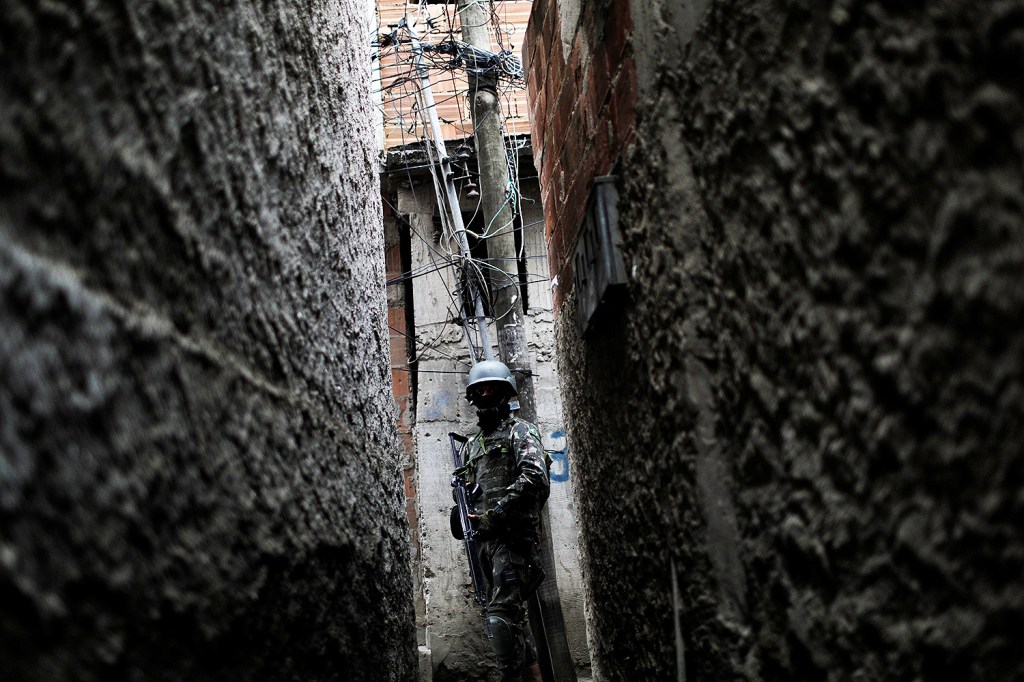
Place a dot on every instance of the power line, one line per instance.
(402, 86)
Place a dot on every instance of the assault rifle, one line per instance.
(465, 526)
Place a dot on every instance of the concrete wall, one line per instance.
(452, 628)
(797, 448)
(198, 471)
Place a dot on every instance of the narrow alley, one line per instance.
(511, 340)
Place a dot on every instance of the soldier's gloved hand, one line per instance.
(489, 523)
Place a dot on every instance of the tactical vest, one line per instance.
(492, 464)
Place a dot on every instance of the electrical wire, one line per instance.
(401, 92)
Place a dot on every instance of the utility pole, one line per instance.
(546, 618)
(492, 164)
(429, 108)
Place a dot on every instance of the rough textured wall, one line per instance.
(812, 410)
(198, 472)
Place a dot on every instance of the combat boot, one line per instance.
(532, 674)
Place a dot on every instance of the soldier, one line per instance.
(506, 460)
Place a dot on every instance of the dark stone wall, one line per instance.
(809, 417)
(198, 468)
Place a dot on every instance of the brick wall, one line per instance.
(583, 104)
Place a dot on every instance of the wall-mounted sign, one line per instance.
(598, 269)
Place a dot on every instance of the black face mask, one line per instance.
(490, 417)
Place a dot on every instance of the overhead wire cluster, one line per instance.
(456, 54)
(449, 62)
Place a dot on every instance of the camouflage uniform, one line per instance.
(511, 467)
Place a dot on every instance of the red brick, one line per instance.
(550, 98)
(410, 488)
(572, 148)
(551, 151)
(547, 172)
(542, 53)
(602, 149)
(538, 12)
(619, 14)
(589, 162)
(537, 138)
(550, 177)
(578, 47)
(550, 23)
(552, 259)
(563, 110)
(393, 261)
(588, 21)
(600, 74)
(555, 254)
(618, 27)
(565, 275)
(532, 83)
(532, 41)
(538, 107)
(550, 221)
(397, 350)
(535, 23)
(396, 318)
(559, 187)
(622, 109)
(556, 58)
(565, 229)
(573, 61)
(576, 201)
(582, 177)
(587, 109)
(399, 383)
(536, 69)
(563, 243)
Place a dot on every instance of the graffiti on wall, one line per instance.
(558, 448)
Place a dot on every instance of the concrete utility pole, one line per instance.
(546, 617)
(492, 164)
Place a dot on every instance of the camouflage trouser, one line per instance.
(506, 567)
